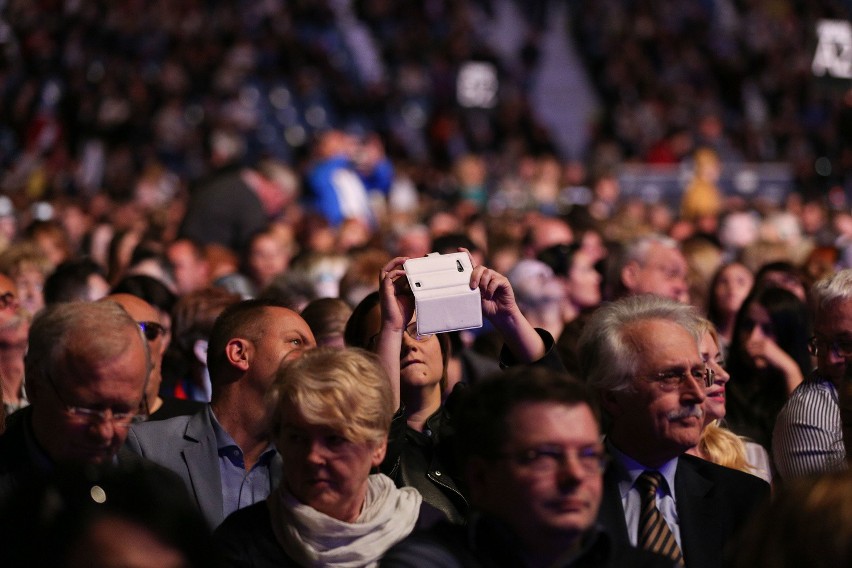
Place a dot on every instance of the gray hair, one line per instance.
(829, 290)
(607, 360)
(102, 327)
(637, 251)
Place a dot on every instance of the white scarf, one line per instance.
(312, 538)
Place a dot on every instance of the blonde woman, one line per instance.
(718, 444)
(330, 411)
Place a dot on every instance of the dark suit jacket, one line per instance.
(187, 446)
(17, 467)
(713, 503)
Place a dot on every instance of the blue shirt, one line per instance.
(631, 499)
(240, 488)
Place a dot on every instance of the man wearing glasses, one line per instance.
(86, 368)
(808, 437)
(147, 317)
(530, 444)
(641, 356)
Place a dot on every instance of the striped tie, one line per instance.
(654, 534)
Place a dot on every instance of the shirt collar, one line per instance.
(630, 470)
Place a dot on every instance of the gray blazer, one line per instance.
(187, 446)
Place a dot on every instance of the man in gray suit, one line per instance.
(641, 355)
(223, 452)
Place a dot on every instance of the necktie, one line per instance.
(654, 533)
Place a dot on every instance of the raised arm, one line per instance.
(501, 309)
(397, 309)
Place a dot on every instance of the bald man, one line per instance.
(148, 319)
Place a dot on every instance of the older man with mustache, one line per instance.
(641, 355)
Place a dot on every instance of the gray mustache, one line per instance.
(687, 412)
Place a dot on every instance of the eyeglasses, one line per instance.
(548, 458)
(8, 300)
(151, 329)
(672, 379)
(410, 329)
(92, 416)
(838, 347)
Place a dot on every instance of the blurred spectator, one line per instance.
(13, 347)
(727, 290)
(652, 264)
(768, 358)
(327, 319)
(222, 208)
(28, 267)
(189, 265)
(185, 373)
(75, 280)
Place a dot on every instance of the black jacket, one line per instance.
(425, 460)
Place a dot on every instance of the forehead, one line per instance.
(659, 343)
(530, 423)
(280, 320)
(139, 309)
(116, 377)
(836, 318)
(664, 254)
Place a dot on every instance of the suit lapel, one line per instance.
(700, 532)
(611, 514)
(201, 457)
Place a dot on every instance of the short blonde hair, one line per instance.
(345, 389)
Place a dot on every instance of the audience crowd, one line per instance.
(209, 349)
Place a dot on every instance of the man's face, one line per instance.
(544, 496)
(13, 347)
(191, 272)
(833, 325)
(651, 422)
(112, 385)
(147, 315)
(663, 273)
(285, 335)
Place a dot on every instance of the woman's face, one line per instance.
(714, 405)
(584, 282)
(756, 329)
(421, 363)
(323, 469)
(732, 287)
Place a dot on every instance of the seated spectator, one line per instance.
(808, 523)
(330, 411)
(155, 406)
(768, 359)
(189, 265)
(419, 452)
(531, 449)
(133, 514)
(718, 444)
(327, 318)
(75, 280)
(28, 267)
(13, 347)
(153, 291)
(728, 289)
(651, 264)
(641, 356)
(807, 437)
(86, 368)
(223, 452)
(185, 373)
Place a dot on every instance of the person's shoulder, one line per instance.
(731, 479)
(441, 545)
(153, 427)
(246, 520)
